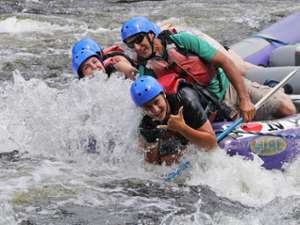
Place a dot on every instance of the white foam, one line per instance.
(15, 25)
(7, 214)
(242, 180)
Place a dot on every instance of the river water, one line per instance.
(52, 175)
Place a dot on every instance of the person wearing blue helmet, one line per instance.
(190, 57)
(88, 56)
(181, 119)
(136, 30)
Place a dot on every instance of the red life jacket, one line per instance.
(109, 59)
(170, 82)
(188, 67)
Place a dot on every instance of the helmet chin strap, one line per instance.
(152, 47)
(168, 108)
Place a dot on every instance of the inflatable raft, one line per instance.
(273, 46)
(274, 141)
(276, 49)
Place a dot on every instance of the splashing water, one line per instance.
(71, 147)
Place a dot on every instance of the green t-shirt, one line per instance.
(206, 52)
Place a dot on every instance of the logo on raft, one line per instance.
(268, 145)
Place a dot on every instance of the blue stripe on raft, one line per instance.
(285, 30)
(262, 56)
(271, 39)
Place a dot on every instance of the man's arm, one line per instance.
(234, 75)
(122, 65)
(207, 52)
(203, 137)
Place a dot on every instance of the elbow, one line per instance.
(212, 146)
(212, 143)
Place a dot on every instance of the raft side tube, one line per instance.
(285, 30)
(257, 49)
(286, 56)
(264, 75)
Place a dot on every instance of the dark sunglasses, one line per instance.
(137, 40)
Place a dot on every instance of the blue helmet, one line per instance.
(138, 24)
(82, 50)
(144, 89)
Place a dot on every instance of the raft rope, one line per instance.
(295, 136)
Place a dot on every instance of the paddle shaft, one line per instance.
(259, 104)
(276, 88)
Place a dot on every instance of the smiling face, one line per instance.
(90, 65)
(158, 108)
(141, 44)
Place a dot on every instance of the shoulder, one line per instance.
(187, 93)
(193, 111)
(183, 35)
(194, 44)
(182, 39)
(186, 37)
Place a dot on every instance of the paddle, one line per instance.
(186, 164)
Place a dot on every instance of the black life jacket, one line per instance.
(215, 109)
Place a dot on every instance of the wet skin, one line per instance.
(157, 108)
(90, 65)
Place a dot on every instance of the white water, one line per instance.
(15, 25)
(245, 181)
(51, 126)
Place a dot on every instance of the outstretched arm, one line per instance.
(208, 53)
(121, 64)
(234, 75)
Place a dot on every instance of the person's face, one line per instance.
(91, 65)
(141, 44)
(157, 108)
